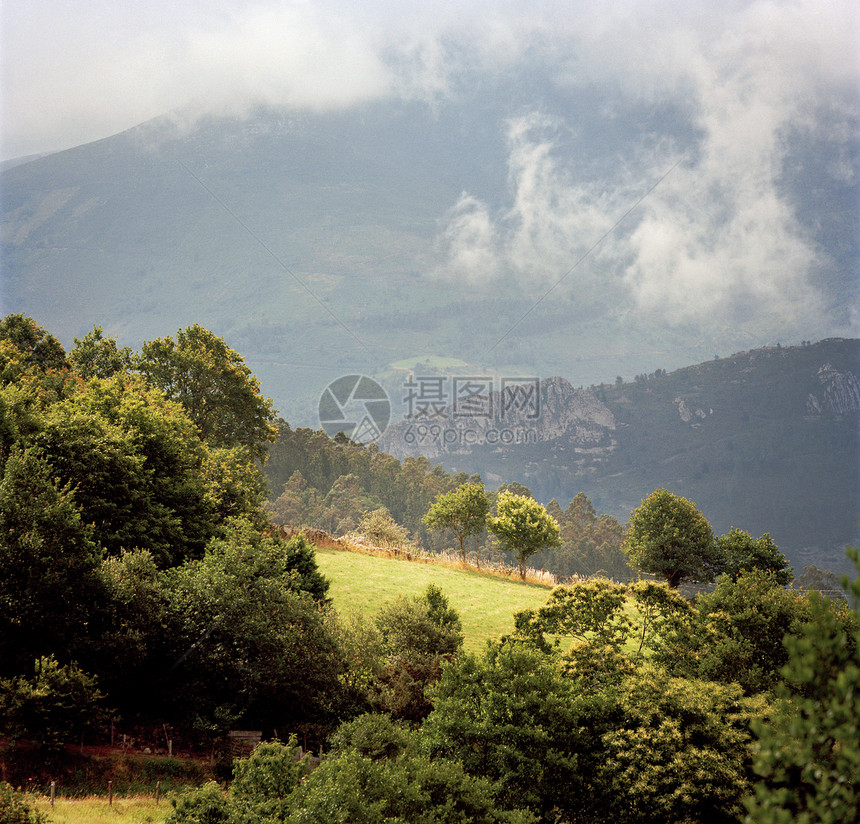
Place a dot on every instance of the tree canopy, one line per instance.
(668, 536)
(523, 526)
(462, 511)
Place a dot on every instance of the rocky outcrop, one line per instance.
(520, 414)
(840, 393)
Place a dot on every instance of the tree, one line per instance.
(808, 754)
(676, 752)
(510, 716)
(380, 528)
(739, 551)
(671, 538)
(49, 582)
(95, 356)
(523, 527)
(418, 634)
(213, 383)
(463, 511)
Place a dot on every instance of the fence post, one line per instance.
(110, 792)
(53, 788)
(157, 791)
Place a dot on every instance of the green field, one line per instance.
(486, 604)
(135, 810)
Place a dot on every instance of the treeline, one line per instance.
(140, 579)
(332, 483)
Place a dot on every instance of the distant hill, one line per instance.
(765, 440)
(319, 245)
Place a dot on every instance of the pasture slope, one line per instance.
(486, 603)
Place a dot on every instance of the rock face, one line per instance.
(840, 394)
(524, 413)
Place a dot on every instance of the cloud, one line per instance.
(719, 242)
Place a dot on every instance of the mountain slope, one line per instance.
(765, 440)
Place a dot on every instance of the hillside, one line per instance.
(486, 604)
(765, 440)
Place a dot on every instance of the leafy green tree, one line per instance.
(53, 707)
(735, 633)
(32, 357)
(739, 551)
(677, 753)
(382, 530)
(264, 781)
(671, 538)
(95, 356)
(807, 755)
(592, 613)
(49, 584)
(352, 789)
(523, 527)
(247, 643)
(463, 512)
(140, 472)
(512, 717)
(418, 634)
(212, 382)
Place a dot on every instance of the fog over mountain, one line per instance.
(569, 189)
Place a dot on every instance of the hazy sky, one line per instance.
(76, 71)
(764, 87)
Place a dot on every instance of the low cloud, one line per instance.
(719, 242)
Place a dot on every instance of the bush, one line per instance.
(15, 810)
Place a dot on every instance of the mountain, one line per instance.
(497, 229)
(765, 440)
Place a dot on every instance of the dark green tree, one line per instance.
(212, 382)
(49, 586)
(739, 551)
(418, 634)
(807, 755)
(57, 704)
(669, 537)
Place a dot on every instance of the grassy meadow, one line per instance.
(96, 810)
(486, 603)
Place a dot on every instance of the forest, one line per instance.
(145, 586)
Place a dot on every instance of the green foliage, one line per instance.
(56, 704)
(382, 530)
(668, 536)
(463, 512)
(740, 552)
(678, 752)
(409, 789)
(247, 641)
(214, 385)
(14, 809)
(660, 609)
(808, 752)
(374, 736)
(523, 527)
(32, 358)
(49, 582)
(95, 356)
(592, 613)
(263, 782)
(205, 805)
(590, 543)
(512, 717)
(418, 634)
(736, 632)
